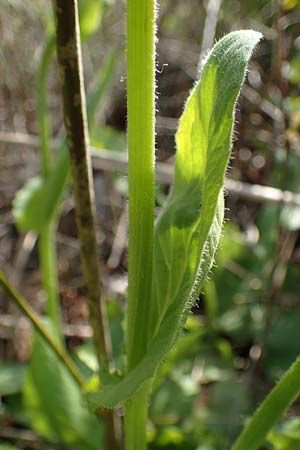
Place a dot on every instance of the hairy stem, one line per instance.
(71, 73)
(136, 419)
(35, 321)
(140, 99)
(141, 122)
(270, 410)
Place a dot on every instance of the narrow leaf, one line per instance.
(203, 149)
(271, 409)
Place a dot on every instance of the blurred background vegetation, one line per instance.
(244, 331)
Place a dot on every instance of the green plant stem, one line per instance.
(270, 410)
(136, 419)
(35, 321)
(47, 241)
(71, 73)
(140, 101)
(48, 264)
(141, 123)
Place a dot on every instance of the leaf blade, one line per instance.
(188, 231)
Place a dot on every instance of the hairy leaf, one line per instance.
(188, 231)
(109, 396)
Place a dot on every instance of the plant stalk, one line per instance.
(141, 142)
(47, 242)
(75, 117)
(48, 263)
(135, 420)
(37, 324)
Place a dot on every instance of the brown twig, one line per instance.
(75, 118)
(69, 57)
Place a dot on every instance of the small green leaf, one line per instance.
(37, 202)
(26, 205)
(188, 231)
(90, 16)
(54, 402)
(11, 378)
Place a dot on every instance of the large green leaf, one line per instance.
(188, 231)
(203, 148)
(54, 402)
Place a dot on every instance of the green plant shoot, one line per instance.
(188, 230)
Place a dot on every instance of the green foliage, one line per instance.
(270, 410)
(188, 231)
(286, 437)
(27, 203)
(90, 16)
(37, 203)
(186, 237)
(54, 402)
(7, 447)
(11, 378)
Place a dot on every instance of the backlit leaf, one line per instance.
(188, 230)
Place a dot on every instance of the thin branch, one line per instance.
(69, 58)
(75, 118)
(37, 324)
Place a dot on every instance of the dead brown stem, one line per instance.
(75, 118)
